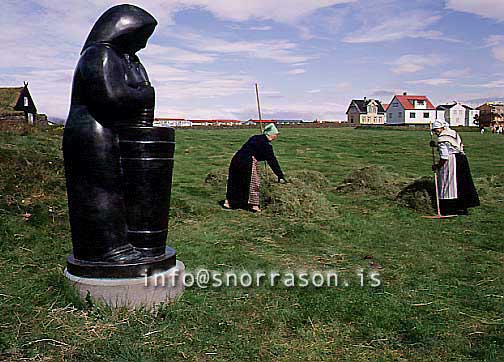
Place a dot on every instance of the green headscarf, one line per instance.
(270, 129)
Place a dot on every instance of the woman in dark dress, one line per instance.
(243, 177)
(455, 185)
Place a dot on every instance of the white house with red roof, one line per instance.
(410, 110)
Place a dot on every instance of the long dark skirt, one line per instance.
(467, 196)
(238, 184)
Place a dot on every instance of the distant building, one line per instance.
(472, 116)
(452, 113)
(365, 111)
(214, 122)
(410, 110)
(257, 121)
(330, 121)
(456, 114)
(290, 121)
(16, 104)
(171, 122)
(491, 113)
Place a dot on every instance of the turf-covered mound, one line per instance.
(371, 179)
(420, 195)
(302, 196)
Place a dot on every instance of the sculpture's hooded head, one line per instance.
(125, 27)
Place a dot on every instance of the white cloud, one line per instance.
(494, 40)
(493, 84)
(413, 24)
(281, 51)
(456, 73)
(496, 43)
(277, 10)
(296, 71)
(170, 54)
(261, 28)
(498, 52)
(432, 81)
(492, 9)
(411, 63)
(307, 110)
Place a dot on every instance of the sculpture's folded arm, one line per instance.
(114, 89)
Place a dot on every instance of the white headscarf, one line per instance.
(439, 123)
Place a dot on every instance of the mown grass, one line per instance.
(442, 297)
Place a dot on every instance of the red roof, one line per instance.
(169, 119)
(407, 101)
(262, 120)
(385, 106)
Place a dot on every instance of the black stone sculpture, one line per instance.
(118, 166)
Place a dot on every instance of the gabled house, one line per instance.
(365, 111)
(16, 104)
(472, 116)
(456, 114)
(410, 110)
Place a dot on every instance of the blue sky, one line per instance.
(310, 57)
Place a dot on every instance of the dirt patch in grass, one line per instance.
(217, 177)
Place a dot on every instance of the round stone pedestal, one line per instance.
(133, 293)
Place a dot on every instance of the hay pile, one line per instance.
(302, 196)
(420, 195)
(370, 180)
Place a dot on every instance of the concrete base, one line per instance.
(133, 293)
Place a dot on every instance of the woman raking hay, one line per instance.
(455, 185)
(243, 177)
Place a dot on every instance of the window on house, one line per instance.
(399, 114)
(395, 105)
(421, 103)
(426, 115)
(390, 115)
(26, 101)
(412, 115)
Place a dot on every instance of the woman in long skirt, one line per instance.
(243, 178)
(455, 185)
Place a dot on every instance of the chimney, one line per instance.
(405, 94)
(365, 99)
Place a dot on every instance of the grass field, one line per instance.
(442, 292)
